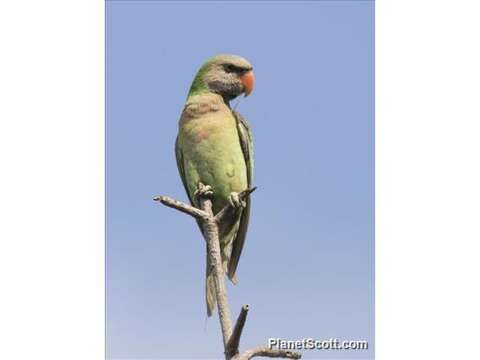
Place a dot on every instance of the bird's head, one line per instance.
(226, 75)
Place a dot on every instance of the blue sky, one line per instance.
(307, 269)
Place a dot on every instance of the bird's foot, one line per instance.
(204, 191)
(235, 201)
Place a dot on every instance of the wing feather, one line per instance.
(181, 169)
(246, 143)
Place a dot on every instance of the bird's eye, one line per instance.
(229, 68)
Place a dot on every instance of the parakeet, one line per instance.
(214, 147)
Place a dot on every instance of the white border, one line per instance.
(52, 180)
(427, 179)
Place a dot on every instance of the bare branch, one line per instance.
(265, 351)
(234, 342)
(210, 232)
(211, 226)
(180, 206)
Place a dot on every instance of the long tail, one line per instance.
(210, 289)
(226, 250)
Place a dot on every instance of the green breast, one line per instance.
(212, 155)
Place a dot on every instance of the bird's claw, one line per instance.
(235, 201)
(203, 191)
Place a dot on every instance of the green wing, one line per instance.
(181, 169)
(246, 143)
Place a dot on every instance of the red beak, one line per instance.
(248, 82)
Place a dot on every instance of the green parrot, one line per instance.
(214, 147)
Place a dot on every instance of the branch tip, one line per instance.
(227, 210)
(245, 193)
(234, 341)
(267, 352)
(180, 206)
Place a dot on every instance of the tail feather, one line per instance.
(226, 250)
(210, 289)
(210, 296)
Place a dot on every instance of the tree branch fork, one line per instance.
(210, 225)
